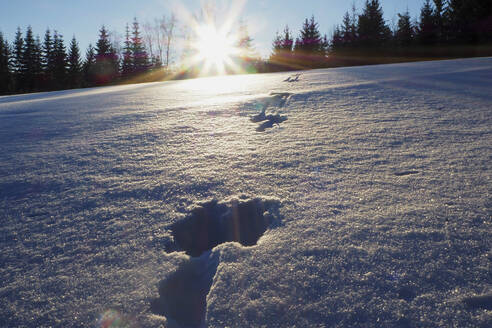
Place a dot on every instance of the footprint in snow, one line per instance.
(275, 100)
(293, 78)
(183, 294)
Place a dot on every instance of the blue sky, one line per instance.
(264, 17)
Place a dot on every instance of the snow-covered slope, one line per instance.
(368, 197)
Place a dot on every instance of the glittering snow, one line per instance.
(365, 194)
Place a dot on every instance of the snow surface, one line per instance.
(382, 177)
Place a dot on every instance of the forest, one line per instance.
(444, 29)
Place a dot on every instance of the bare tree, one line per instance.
(149, 38)
(159, 38)
(168, 27)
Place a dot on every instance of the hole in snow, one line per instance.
(270, 121)
(183, 295)
(479, 302)
(404, 173)
(276, 100)
(214, 223)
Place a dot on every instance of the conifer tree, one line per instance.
(470, 21)
(427, 30)
(37, 64)
(404, 34)
(5, 73)
(59, 61)
(17, 60)
(106, 64)
(372, 29)
(310, 41)
(349, 29)
(282, 47)
(127, 63)
(28, 62)
(48, 60)
(74, 65)
(287, 41)
(139, 54)
(337, 40)
(88, 67)
(439, 19)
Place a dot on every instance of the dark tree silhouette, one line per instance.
(5, 69)
(140, 58)
(349, 28)
(59, 61)
(30, 63)
(282, 47)
(310, 41)
(427, 29)
(439, 20)
(372, 29)
(17, 59)
(74, 69)
(106, 65)
(405, 32)
(89, 66)
(127, 62)
(470, 21)
(282, 50)
(48, 62)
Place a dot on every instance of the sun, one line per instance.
(214, 47)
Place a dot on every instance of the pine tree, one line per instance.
(337, 40)
(106, 64)
(427, 29)
(48, 60)
(404, 34)
(287, 41)
(469, 21)
(127, 63)
(28, 62)
(17, 60)
(74, 65)
(59, 61)
(139, 54)
(282, 47)
(439, 18)
(310, 41)
(5, 69)
(88, 68)
(38, 64)
(349, 29)
(372, 29)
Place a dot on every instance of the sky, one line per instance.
(264, 18)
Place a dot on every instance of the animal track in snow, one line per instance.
(270, 121)
(293, 78)
(182, 295)
(275, 100)
(405, 173)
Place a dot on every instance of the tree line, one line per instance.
(444, 28)
(30, 64)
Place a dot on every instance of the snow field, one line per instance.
(383, 174)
